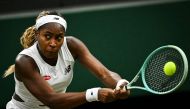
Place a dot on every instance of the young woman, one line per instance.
(44, 69)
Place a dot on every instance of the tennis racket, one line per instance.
(153, 77)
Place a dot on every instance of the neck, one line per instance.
(50, 61)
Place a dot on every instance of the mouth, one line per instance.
(52, 50)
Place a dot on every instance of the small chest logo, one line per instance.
(47, 77)
(67, 69)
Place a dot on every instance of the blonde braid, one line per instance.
(9, 71)
(27, 39)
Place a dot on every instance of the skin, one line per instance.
(51, 37)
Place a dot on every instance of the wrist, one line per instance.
(92, 94)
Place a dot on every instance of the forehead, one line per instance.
(52, 26)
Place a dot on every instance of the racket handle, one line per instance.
(120, 83)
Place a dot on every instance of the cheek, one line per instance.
(43, 44)
(60, 44)
(42, 41)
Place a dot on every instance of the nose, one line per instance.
(53, 43)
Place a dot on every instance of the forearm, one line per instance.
(66, 100)
(110, 78)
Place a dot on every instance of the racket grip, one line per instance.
(120, 83)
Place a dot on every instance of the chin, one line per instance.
(51, 55)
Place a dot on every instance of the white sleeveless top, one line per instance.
(59, 76)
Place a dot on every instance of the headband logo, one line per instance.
(56, 18)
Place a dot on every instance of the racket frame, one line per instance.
(142, 72)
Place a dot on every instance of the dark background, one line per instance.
(121, 38)
(12, 6)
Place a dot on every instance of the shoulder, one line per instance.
(22, 57)
(74, 42)
(75, 45)
(24, 65)
(23, 60)
(29, 51)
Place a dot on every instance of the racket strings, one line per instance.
(155, 77)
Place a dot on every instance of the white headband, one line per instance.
(50, 18)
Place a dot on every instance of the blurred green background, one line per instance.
(121, 38)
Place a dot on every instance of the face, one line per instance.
(50, 38)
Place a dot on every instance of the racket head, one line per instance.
(153, 76)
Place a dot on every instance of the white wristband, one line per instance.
(92, 94)
(120, 82)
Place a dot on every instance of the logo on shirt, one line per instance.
(67, 69)
(47, 77)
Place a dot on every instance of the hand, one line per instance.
(120, 91)
(106, 95)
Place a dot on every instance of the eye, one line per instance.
(59, 38)
(48, 37)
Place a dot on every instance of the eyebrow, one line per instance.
(48, 32)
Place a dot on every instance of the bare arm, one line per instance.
(81, 52)
(27, 72)
(109, 78)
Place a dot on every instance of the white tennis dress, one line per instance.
(58, 76)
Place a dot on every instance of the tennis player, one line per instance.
(44, 69)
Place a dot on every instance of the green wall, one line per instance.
(120, 38)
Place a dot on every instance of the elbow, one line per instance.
(55, 101)
(48, 100)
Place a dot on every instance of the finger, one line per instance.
(121, 83)
(122, 87)
(116, 91)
